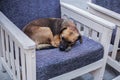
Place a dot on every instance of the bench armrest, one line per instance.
(88, 15)
(104, 13)
(92, 26)
(17, 51)
(104, 10)
(16, 33)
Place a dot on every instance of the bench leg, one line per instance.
(98, 74)
(116, 43)
(117, 78)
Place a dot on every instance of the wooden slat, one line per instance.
(86, 31)
(31, 64)
(116, 43)
(8, 69)
(94, 36)
(1, 53)
(3, 45)
(12, 57)
(7, 50)
(17, 62)
(23, 64)
(78, 27)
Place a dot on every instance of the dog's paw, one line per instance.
(55, 43)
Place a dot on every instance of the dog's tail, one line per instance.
(44, 46)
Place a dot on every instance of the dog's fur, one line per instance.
(54, 32)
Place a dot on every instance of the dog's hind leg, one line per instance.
(44, 46)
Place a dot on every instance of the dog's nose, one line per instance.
(61, 48)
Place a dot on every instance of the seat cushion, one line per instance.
(52, 62)
(20, 12)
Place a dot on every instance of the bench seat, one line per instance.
(51, 63)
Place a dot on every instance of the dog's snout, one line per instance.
(61, 48)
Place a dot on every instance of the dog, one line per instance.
(53, 32)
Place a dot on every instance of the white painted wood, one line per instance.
(86, 19)
(12, 57)
(21, 41)
(105, 41)
(3, 41)
(94, 9)
(77, 14)
(7, 50)
(87, 15)
(0, 43)
(116, 43)
(17, 62)
(27, 70)
(13, 30)
(86, 31)
(23, 65)
(79, 72)
(115, 64)
(108, 12)
(117, 78)
(8, 69)
(94, 35)
(80, 28)
(115, 18)
(31, 64)
(96, 73)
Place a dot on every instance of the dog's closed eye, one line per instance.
(80, 39)
(70, 33)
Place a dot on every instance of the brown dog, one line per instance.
(54, 32)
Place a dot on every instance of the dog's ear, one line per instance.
(80, 38)
(64, 25)
(62, 29)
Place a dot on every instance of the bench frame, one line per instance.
(17, 52)
(114, 18)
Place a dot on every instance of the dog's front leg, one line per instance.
(56, 41)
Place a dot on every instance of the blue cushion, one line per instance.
(51, 63)
(20, 12)
(113, 5)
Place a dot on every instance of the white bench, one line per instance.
(114, 18)
(11, 38)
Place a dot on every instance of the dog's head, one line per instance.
(68, 36)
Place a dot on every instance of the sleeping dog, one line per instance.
(55, 32)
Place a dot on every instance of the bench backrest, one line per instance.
(113, 5)
(20, 12)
